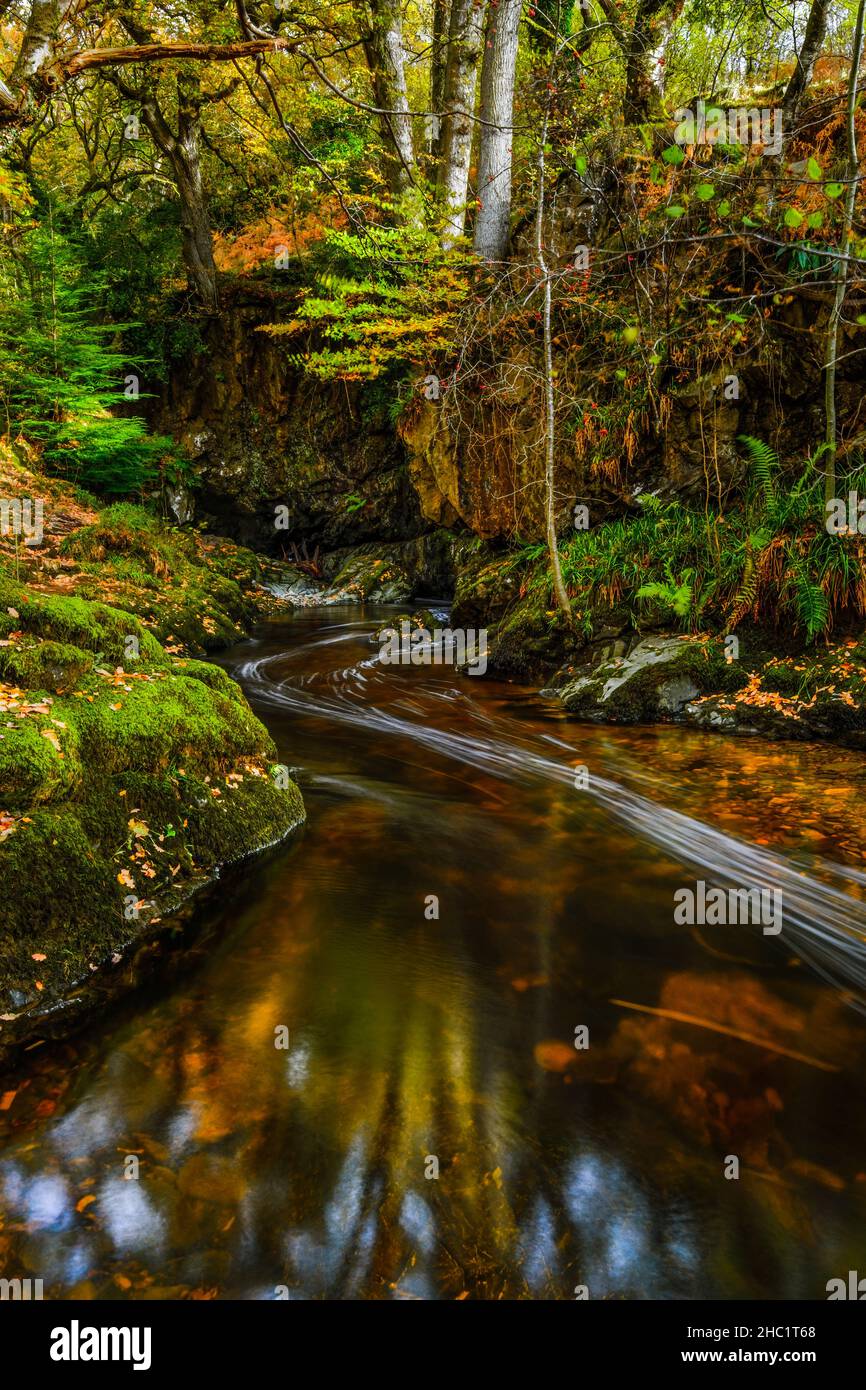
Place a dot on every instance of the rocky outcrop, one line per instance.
(670, 678)
(261, 436)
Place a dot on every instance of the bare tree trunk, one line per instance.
(182, 152)
(438, 59)
(842, 264)
(549, 404)
(497, 106)
(384, 48)
(809, 54)
(464, 51)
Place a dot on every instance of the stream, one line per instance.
(460, 902)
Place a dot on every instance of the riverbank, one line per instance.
(616, 660)
(131, 771)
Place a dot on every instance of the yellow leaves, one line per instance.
(125, 878)
(52, 739)
(85, 1202)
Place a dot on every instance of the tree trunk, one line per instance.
(851, 174)
(559, 588)
(642, 99)
(464, 51)
(384, 49)
(497, 105)
(438, 58)
(809, 54)
(182, 152)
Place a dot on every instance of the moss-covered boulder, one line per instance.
(127, 778)
(655, 680)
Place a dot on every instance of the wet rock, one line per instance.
(658, 678)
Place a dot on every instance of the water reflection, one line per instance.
(444, 1045)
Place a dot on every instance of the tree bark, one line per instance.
(497, 107)
(182, 152)
(464, 51)
(813, 41)
(383, 46)
(36, 75)
(641, 96)
(438, 57)
(845, 239)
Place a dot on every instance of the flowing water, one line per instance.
(462, 900)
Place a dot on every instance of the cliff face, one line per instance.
(349, 469)
(262, 435)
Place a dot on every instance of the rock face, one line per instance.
(282, 459)
(261, 435)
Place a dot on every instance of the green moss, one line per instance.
(529, 641)
(656, 689)
(73, 621)
(45, 666)
(174, 719)
(59, 899)
(31, 770)
(214, 677)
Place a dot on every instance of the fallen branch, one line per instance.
(677, 1017)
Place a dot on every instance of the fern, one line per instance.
(675, 596)
(764, 461)
(813, 608)
(744, 599)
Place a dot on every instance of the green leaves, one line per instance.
(793, 218)
(675, 211)
(673, 155)
(813, 168)
(705, 191)
(833, 190)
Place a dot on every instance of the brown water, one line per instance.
(418, 1042)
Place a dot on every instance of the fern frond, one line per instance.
(764, 461)
(813, 608)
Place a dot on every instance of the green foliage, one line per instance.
(379, 304)
(61, 377)
(763, 460)
(673, 594)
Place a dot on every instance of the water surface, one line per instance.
(458, 904)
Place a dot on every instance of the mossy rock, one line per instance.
(173, 719)
(46, 666)
(31, 771)
(421, 619)
(485, 588)
(530, 641)
(656, 680)
(57, 894)
(73, 621)
(214, 677)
